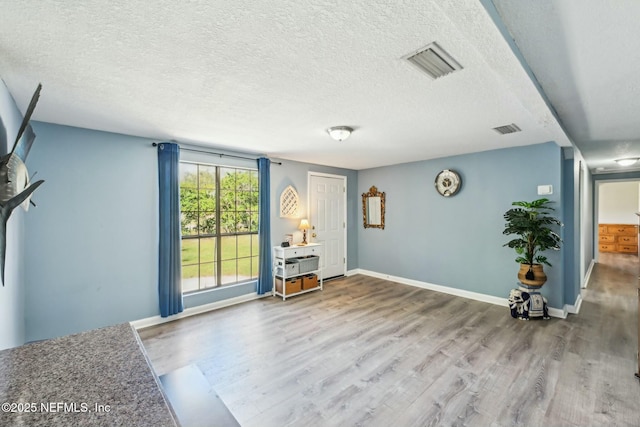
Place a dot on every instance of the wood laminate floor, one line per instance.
(369, 352)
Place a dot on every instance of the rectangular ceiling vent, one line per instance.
(434, 61)
(504, 130)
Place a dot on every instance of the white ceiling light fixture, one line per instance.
(627, 162)
(340, 133)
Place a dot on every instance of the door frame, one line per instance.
(344, 213)
(596, 209)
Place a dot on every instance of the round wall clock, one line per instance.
(448, 182)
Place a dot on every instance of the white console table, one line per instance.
(280, 257)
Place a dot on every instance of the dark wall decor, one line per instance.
(15, 188)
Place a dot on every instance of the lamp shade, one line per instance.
(340, 133)
(627, 162)
(304, 225)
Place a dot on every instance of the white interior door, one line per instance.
(327, 204)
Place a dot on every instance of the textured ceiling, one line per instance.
(584, 54)
(269, 77)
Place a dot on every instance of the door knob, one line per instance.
(313, 235)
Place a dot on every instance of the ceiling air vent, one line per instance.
(503, 130)
(434, 61)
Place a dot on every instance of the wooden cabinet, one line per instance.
(297, 269)
(620, 238)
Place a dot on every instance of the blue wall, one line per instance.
(91, 243)
(457, 241)
(12, 325)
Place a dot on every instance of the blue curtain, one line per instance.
(265, 280)
(169, 269)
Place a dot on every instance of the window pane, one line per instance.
(207, 275)
(244, 269)
(207, 223)
(228, 222)
(244, 246)
(229, 272)
(243, 222)
(253, 177)
(229, 247)
(254, 222)
(242, 201)
(188, 199)
(207, 176)
(255, 265)
(207, 250)
(227, 200)
(190, 253)
(188, 210)
(254, 201)
(189, 221)
(255, 244)
(188, 175)
(242, 181)
(227, 179)
(190, 278)
(207, 200)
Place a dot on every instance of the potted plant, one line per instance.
(532, 223)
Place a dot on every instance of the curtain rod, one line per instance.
(155, 144)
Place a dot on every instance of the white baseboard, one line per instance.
(575, 308)
(587, 276)
(567, 309)
(352, 272)
(560, 313)
(158, 320)
(439, 288)
(504, 302)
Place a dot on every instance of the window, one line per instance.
(219, 219)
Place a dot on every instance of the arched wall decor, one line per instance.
(289, 203)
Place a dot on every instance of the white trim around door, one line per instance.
(327, 210)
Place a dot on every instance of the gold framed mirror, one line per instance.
(373, 208)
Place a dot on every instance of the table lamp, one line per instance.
(304, 226)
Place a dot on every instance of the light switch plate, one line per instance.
(545, 189)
